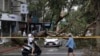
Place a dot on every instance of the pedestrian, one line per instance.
(24, 33)
(70, 44)
(30, 42)
(26, 50)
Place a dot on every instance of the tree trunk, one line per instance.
(61, 17)
(98, 31)
(97, 3)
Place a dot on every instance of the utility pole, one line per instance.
(3, 9)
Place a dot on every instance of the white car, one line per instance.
(52, 42)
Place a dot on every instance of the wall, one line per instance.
(1, 5)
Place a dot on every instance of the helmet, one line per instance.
(29, 35)
(70, 34)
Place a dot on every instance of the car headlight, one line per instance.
(57, 41)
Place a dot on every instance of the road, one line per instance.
(58, 52)
(49, 51)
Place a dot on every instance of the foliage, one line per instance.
(37, 8)
(88, 43)
(76, 21)
(17, 41)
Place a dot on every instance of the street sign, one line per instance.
(35, 19)
(10, 17)
(23, 9)
(47, 25)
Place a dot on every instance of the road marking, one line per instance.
(61, 53)
(53, 50)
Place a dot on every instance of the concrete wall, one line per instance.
(1, 4)
(5, 5)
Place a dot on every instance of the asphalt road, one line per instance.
(58, 52)
(49, 51)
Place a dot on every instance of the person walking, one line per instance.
(24, 33)
(70, 44)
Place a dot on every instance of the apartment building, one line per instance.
(10, 16)
(16, 21)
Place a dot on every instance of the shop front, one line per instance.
(9, 24)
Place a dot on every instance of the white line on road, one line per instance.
(61, 53)
(53, 50)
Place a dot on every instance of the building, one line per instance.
(17, 20)
(10, 16)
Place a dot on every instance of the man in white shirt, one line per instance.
(30, 42)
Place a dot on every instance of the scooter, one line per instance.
(37, 50)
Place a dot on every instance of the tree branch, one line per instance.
(62, 30)
(61, 17)
(89, 27)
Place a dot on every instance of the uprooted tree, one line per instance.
(86, 15)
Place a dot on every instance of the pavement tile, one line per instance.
(7, 49)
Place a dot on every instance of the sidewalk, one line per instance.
(7, 49)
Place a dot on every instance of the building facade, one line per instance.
(17, 21)
(10, 16)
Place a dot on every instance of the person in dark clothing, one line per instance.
(26, 50)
